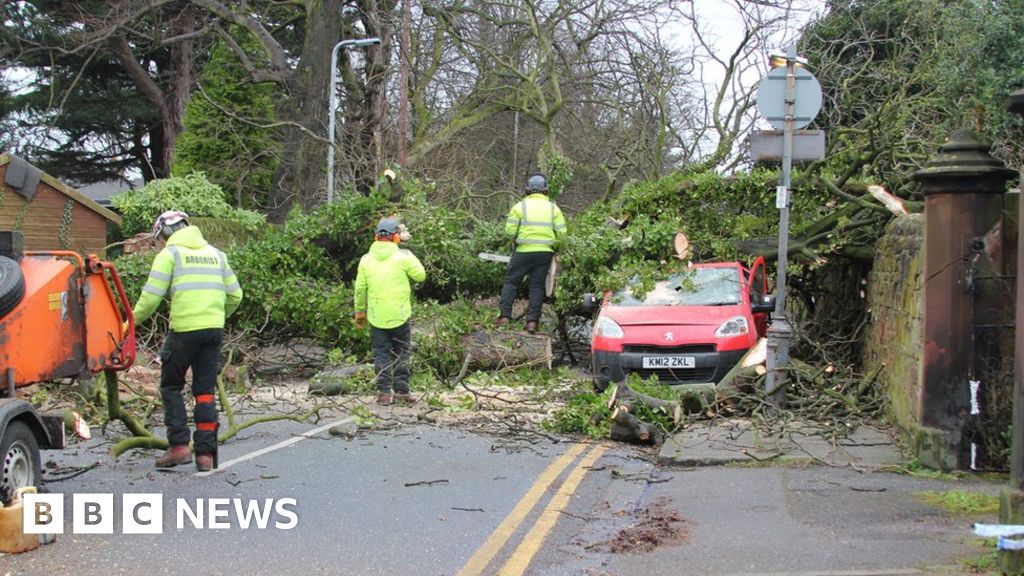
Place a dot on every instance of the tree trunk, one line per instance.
(491, 350)
(168, 91)
(179, 87)
(300, 176)
(750, 365)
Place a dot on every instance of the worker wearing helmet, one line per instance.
(203, 292)
(383, 297)
(538, 226)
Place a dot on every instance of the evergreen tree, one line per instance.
(225, 135)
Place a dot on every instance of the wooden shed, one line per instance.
(50, 214)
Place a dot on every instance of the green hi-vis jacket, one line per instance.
(382, 284)
(536, 223)
(204, 290)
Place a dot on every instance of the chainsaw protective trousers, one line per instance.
(200, 351)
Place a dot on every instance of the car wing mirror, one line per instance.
(589, 305)
(766, 305)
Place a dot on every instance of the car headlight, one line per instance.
(608, 328)
(733, 327)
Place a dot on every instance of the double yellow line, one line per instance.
(530, 545)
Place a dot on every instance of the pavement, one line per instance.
(743, 441)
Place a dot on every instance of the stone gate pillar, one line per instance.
(963, 187)
(1011, 504)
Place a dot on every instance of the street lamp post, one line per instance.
(789, 97)
(334, 105)
(780, 333)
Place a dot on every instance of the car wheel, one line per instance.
(12, 285)
(21, 461)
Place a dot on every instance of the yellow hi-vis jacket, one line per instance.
(203, 288)
(536, 223)
(382, 284)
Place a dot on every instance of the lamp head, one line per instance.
(779, 61)
(365, 42)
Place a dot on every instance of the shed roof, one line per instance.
(12, 160)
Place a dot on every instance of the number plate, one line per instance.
(669, 362)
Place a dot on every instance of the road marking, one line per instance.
(881, 572)
(483, 556)
(283, 444)
(527, 549)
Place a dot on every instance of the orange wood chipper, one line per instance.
(61, 316)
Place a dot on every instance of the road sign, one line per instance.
(807, 145)
(771, 98)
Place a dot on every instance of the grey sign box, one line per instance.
(807, 145)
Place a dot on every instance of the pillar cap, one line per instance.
(1015, 103)
(963, 165)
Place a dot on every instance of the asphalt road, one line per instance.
(433, 501)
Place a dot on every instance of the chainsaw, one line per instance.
(549, 284)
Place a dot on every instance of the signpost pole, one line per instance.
(780, 333)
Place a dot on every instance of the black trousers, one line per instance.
(391, 357)
(536, 266)
(199, 350)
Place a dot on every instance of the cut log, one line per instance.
(628, 428)
(492, 350)
(549, 280)
(625, 396)
(682, 246)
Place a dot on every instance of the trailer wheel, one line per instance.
(12, 285)
(21, 462)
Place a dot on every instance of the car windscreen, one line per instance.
(696, 287)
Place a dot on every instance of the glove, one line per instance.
(404, 233)
(124, 328)
(360, 320)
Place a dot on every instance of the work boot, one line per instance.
(404, 398)
(204, 462)
(384, 399)
(502, 321)
(531, 326)
(174, 456)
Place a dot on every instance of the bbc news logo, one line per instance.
(144, 513)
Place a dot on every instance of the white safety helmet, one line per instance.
(169, 222)
(537, 182)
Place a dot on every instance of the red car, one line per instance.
(691, 328)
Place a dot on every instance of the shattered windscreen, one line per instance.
(697, 287)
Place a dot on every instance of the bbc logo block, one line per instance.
(144, 513)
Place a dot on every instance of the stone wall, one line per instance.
(895, 307)
(893, 346)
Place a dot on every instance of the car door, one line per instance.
(757, 288)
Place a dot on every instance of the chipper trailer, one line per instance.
(61, 317)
